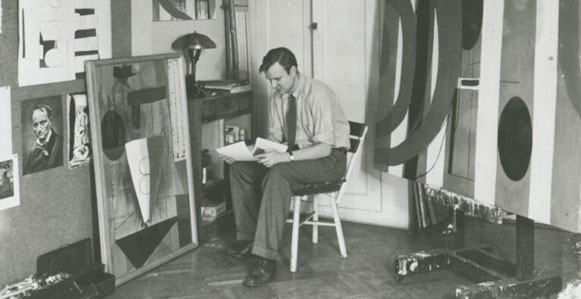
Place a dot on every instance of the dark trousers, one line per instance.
(261, 196)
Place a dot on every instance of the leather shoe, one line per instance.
(240, 249)
(260, 273)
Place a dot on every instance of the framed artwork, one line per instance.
(42, 133)
(183, 10)
(143, 170)
(78, 119)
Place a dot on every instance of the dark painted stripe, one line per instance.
(85, 33)
(147, 95)
(85, 53)
(85, 11)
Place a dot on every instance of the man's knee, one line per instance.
(275, 175)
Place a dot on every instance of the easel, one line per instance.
(494, 277)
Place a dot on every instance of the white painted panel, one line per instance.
(437, 148)
(487, 135)
(545, 103)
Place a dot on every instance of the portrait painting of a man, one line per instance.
(43, 142)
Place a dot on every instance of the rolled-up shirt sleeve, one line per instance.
(323, 122)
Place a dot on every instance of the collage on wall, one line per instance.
(57, 37)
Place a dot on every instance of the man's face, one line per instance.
(40, 124)
(280, 80)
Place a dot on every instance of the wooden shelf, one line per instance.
(207, 116)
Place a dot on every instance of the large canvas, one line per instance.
(487, 104)
(139, 133)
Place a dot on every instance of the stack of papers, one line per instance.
(227, 85)
(239, 151)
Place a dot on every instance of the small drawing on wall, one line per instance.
(42, 138)
(9, 184)
(174, 10)
(180, 10)
(78, 118)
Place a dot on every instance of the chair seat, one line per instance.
(315, 188)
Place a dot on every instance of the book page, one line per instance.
(237, 151)
(263, 145)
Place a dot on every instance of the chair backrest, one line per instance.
(356, 137)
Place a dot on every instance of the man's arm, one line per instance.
(316, 151)
(271, 157)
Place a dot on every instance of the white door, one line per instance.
(345, 45)
(341, 50)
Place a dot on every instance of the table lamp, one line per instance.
(192, 45)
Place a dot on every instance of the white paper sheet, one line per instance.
(265, 144)
(239, 151)
(5, 122)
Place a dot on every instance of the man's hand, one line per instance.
(226, 159)
(272, 157)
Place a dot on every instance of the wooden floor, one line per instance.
(367, 272)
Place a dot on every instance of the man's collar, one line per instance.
(47, 140)
(299, 86)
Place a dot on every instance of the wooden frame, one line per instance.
(143, 168)
(237, 58)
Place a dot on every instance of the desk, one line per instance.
(208, 117)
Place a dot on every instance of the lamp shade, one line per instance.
(194, 41)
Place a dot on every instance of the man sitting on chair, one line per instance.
(306, 115)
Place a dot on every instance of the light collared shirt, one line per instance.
(320, 118)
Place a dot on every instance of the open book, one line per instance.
(239, 151)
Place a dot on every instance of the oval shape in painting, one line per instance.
(471, 22)
(113, 135)
(515, 138)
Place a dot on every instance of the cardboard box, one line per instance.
(211, 211)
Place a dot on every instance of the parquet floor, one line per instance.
(368, 272)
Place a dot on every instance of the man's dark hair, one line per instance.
(282, 55)
(44, 108)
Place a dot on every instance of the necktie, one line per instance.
(42, 148)
(291, 121)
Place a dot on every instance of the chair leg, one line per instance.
(315, 219)
(338, 228)
(295, 234)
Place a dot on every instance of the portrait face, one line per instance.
(280, 80)
(40, 124)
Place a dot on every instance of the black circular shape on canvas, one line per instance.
(515, 138)
(113, 135)
(471, 22)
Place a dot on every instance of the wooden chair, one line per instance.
(334, 190)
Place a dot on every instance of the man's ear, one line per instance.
(293, 70)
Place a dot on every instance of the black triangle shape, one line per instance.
(139, 246)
